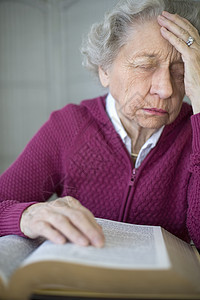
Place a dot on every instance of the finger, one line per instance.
(181, 28)
(70, 202)
(71, 232)
(82, 221)
(178, 43)
(178, 31)
(90, 219)
(181, 22)
(45, 230)
(86, 224)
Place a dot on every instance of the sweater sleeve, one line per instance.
(30, 179)
(193, 215)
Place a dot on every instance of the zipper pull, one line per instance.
(133, 177)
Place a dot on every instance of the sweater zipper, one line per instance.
(131, 183)
(133, 174)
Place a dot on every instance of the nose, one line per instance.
(161, 83)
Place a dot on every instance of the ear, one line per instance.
(104, 77)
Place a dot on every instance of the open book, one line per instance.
(136, 262)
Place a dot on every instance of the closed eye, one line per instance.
(146, 67)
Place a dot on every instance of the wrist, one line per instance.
(22, 221)
(25, 220)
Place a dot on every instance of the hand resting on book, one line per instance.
(61, 220)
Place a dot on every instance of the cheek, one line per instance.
(132, 98)
(116, 88)
(133, 103)
(129, 90)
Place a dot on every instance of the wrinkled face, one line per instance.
(146, 78)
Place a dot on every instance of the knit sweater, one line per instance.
(77, 152)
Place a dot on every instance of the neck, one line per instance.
(139, 135)
(139, 138)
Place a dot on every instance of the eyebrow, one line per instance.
(146, 55)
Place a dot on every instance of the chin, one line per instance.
(152, 124)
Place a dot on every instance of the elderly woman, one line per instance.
(132, 155)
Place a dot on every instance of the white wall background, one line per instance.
(40, 64)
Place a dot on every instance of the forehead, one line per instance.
(146, 42)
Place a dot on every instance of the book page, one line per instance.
(13, 250)
(127, 247)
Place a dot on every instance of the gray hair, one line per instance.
(106, 38)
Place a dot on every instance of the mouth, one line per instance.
(155, 111)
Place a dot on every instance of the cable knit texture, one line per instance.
(77, 152)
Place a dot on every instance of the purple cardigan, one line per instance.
(77, 152)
